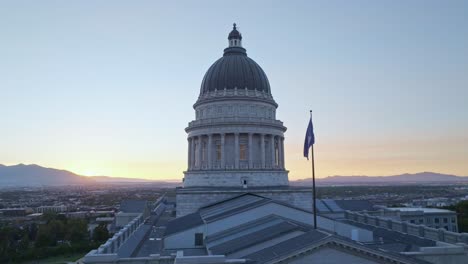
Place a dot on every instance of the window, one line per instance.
(453, 220)
(243, 151)
(445, 220)
(244, 182)
(218, 151)
(198, 239)
(421, 221)
(446, 228)
(412, 221)
(436, 220)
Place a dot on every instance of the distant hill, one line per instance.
(31, 175)
(35, 175)
(407, 178)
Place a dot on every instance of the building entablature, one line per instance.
(236, 125)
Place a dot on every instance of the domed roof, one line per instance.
(234, 33)
(235, 69)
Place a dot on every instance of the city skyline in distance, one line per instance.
(109, 89)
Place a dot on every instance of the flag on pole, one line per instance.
(309, 139)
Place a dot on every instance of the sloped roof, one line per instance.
(315, 239)
(183, 223)
(339, 206)
(254, 238)
(287, 247)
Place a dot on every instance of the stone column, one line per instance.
(223, 157)
(189, 153)
(236, 150)
(192, 153)
(262, 146)
(209, 150)
(282, 153)
(199, 154)
(272, 146)
(280, 150)
(250, 151)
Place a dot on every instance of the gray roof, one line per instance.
(254, 238)
(133, 206)
(183, 223)
(287, 247)
(339, 206)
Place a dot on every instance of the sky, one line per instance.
(107, 87)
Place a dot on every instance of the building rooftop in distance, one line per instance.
(133, 206)
(425, 210)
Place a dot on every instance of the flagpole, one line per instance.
(313, 183)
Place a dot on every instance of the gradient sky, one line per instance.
(107, 87)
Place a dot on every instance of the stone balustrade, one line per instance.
(114, 243)
(440, 234)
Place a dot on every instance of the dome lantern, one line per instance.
(235, 37)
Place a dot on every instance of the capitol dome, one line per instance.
(235, 70)
(235, 139)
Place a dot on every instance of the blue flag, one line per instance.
(309, 139)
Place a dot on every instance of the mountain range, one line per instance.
(35, 175)
(406, 178)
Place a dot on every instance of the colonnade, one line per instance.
(235, 151)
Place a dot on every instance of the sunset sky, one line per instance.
(107, 87)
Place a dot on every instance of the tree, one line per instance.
(32, 231)
(462, 215)
(77, 230)
(44, 237)
(100, 233)
(24, 242)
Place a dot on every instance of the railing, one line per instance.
(112, 245)
(412, 229)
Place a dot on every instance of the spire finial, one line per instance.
(234, 26)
